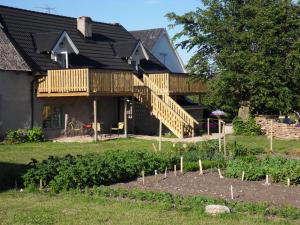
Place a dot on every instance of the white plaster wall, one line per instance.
(15, 107)
(171, 61)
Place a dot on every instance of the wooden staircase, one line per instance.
(163, 107)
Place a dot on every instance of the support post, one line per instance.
(220, 141)
(271, 138)
(160, 135)
(95, 120)
(208, 126)
(224, 140)
(66, 122)
(133, 117)
(125, 118)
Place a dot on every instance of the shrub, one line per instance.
(16, 136)
(22, 136)
(236, 150)
(35, 134)
(249, 127)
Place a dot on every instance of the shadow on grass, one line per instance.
(10, 175)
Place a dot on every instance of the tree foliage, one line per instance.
(247, 50)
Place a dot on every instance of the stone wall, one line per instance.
(280, 130)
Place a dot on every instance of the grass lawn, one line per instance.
(23, 153)
(39, 208)
(263, 142)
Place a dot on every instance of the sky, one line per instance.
(132, 14)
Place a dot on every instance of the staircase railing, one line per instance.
(159, 108)
(170, 102)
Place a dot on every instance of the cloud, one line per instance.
(151, 2)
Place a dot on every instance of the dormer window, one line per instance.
(58, 44)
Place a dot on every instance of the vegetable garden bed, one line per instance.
(210, 184)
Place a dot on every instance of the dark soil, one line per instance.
(210, 184)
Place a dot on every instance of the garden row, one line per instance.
(71, 172)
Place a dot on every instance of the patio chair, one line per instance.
(118, 129)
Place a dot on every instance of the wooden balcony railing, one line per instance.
(176, 84)
(85, 82)
(88, 82)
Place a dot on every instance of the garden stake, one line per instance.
(288, 182)
(166, 172)
(200, 167)
(154, 147)
(220, 174)
(231, 191)
(267, 180)
(220, 142)
(243, 175)
(224, 140)
(143, 177)
(175, 171)
(181, 164)
(41, 184)
(208, 126)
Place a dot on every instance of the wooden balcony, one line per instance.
(91, 82)
(85, 82)
(177, 84)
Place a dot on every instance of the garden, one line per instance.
(181, 179)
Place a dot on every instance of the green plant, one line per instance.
(35, 134)
(248, 127)
(16, 136)
(79, 171)
(21, 136)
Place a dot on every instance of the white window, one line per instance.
(62, 59)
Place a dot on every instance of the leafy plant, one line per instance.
(21, 136)
(249, 127)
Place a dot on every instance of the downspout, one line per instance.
(32, 95)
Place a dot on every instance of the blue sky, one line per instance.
(132, 14)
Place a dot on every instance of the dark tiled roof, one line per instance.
(148, 37)
(125, 49)
(23, 25)
(10, 59)
(44, 42)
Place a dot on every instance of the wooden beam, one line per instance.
(95, 120)
(125, 118)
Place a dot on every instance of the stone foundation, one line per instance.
(280, 130)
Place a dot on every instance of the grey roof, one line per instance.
(10, 59)
(125, 49)
(148, 37)
(23, 26)
(45, 42)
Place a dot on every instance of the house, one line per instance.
(56, 69)
(158, 42)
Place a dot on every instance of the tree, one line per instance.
(247, 50)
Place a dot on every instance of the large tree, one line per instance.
(247, 50)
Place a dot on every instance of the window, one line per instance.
(52, 116)
(62, 59)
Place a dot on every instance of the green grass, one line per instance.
(23, 153)
(38, 208)
(263, 142)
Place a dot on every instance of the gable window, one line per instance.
(52, 116)
(62, 59)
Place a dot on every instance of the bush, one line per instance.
(35, 134)
(236, 150)
(16, 136)
(249, 127)
(96, 169)
(22, 136)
